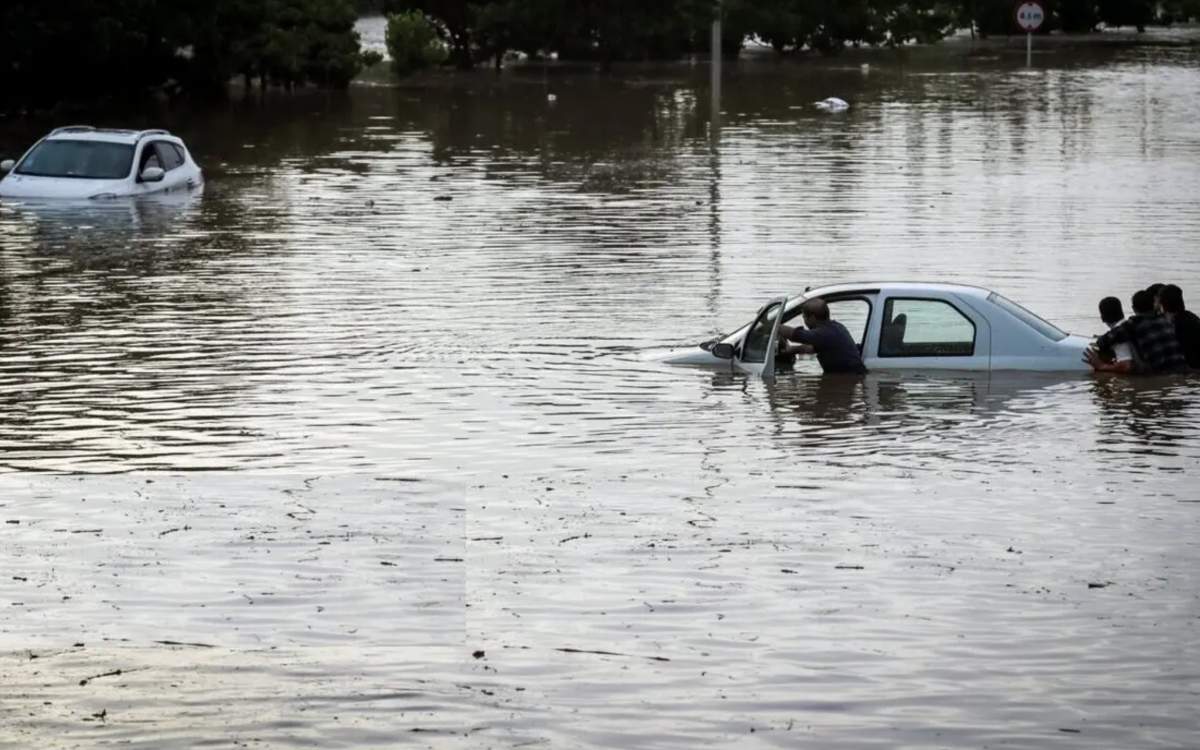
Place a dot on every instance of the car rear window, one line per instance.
(1048, 330)
(94, 160)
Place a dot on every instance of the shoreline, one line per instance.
(956, 46)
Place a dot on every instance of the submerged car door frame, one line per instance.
(172, 178)
(765, 367)
(980, 359)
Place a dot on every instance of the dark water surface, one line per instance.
(366, 446)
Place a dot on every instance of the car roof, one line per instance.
(898, 286)
(106, 135)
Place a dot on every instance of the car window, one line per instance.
(1048, 330)
(168, 156)
(149, 158)
(754, 348)
(853, 314)
(95, 160)
(925, 328)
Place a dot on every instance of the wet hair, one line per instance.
(1111, 310)
(817, 308)
(1143, 302)
(1170, 297)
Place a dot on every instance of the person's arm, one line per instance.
(787, 348)
(810, 336)
(1092, 357)
(787, 336)
(1118, 334)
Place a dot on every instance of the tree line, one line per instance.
(475, 31)
(72, 50)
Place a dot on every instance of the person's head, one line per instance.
(815, 312)
(1111, 311)
(1154, 289)
(1143, 302)
(1170, 299)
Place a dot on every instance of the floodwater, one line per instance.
(366, 445)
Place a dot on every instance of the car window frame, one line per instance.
(163, 148)
(741, 350)
(865, 295)
(1027, 317)
(886, 315)
(21, 163)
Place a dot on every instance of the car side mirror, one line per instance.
(152, 174)
(722, 351)
(6, 166)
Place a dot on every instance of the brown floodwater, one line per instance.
(367, 445)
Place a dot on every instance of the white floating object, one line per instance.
(832, 104)
(551, 97)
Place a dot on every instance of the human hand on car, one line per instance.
(1092, 356)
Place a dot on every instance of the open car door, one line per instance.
(756, 353)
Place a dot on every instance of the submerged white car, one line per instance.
(84, 162)
(907, 326)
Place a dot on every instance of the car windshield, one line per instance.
(1046, 329)
(96, 160)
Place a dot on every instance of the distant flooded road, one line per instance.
(366, 444)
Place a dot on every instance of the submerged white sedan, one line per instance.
(907, 326)
(83, 162)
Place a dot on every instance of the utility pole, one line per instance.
(715, 69)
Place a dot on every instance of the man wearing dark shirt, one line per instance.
(1156, 350)
(1187, 325)
(835, 347)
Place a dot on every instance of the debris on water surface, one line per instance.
(114, 673)
(609, 653)
(479, 654)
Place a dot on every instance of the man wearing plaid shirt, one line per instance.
(1151, 336)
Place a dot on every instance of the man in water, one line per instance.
(1151, 336)
(1187, 324)
(1111, 313)
(835, 347)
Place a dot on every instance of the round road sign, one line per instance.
(1030, 16)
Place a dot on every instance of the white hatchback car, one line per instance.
(907, 326)
(85, 162)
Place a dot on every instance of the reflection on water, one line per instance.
(404, 319)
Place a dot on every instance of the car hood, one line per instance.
(27, 186)
(693, 355)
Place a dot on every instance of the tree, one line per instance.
(413, 43)
(87, 49)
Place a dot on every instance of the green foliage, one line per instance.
(79, 49)
(305, 41)
(1080, 16)
(413, 42)
(610, 30)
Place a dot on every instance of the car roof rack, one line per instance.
(155, 131)
(72, 129)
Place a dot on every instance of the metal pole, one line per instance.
(1029, 49)
(715, 67)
